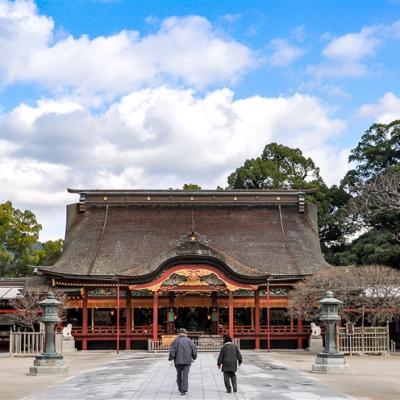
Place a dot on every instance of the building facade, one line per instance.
(138, 265)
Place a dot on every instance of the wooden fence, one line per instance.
(363, 340)
(202, 344)
(30, 344)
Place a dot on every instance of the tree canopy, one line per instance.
(278, 167)
(282, 167)
(19, 246)
(375, 195)
(19, 231)
(191, 186)
(378, 149)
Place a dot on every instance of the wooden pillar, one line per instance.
(257, 318)
(84, 318)
(299, 333)
(128, 320)
(231, 314)
(118, 320)
(268, 318)
(155, 316)
(291, 323)
(92, 320)
(170, 314)
(214, 313)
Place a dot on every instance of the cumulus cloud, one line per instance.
(347, 55)
(153, 138)
(386, 110)
(353, 46)
(283, 52)
(187, 50)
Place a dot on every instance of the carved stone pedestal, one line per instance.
(330, 364)
(68, 345)
(315, 344)
(43, 365)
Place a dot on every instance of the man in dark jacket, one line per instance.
(182, 351)
(229, 357)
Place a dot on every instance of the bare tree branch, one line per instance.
(373, 291)
(27, 309)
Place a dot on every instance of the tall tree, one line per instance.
(278, 167)
(378, 149)
(282, 167)
(19, 231)
(374, 185)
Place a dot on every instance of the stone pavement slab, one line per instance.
(142, 376)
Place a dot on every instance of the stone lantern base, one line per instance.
(48, 365)
(330, 364)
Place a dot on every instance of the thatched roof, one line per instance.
(133, 233)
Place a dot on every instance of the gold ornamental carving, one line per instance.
(193, 277)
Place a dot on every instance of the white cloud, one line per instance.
(353, 46)
(348, 55)
(153, 138)
(187, 50)
(23, 33)
(283, 52)
(386, 110)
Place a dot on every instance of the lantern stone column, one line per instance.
(49, 362)
(330, 361)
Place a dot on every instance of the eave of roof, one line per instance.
(119, 279)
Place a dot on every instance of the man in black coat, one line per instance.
(229, 357)
(182, 351)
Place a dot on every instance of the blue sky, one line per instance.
(153, 94)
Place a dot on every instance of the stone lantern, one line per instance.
(49, 362)
(330, 360)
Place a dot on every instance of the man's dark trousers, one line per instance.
(182, 374)
(230, 375)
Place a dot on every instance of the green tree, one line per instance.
(278, 167)
(19, 231)
(378, 149)
(191, 186)
(50, 252)
(374, 185)
(281, 167)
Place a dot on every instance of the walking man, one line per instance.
(229, 357)
(182, 351)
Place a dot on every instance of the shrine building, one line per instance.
(140, 264)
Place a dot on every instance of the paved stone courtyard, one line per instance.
(144, 376)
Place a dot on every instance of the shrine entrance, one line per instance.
(196, 320)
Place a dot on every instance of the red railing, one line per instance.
(141, 330)
(274, 330)
(147, 330)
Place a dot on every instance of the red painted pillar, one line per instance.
(128, 320)
(231, 314)
(299, 333)
(170, 314)
(257, 318)
(84, 318)
(268, 319)
(155, 316)
(118, 321)
(214, 313)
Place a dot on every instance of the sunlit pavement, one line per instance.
(142, 376)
